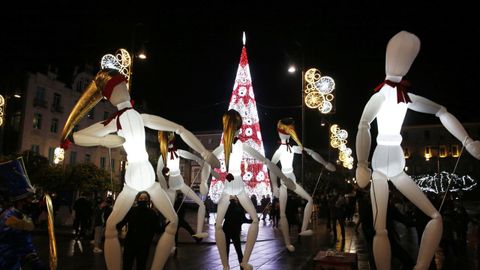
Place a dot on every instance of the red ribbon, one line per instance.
(289, 148)
(116, 115)
(173, 152)
(65, 144)
(402, 94)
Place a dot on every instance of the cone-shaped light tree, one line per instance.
(254, 172)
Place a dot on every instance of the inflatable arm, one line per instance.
(364, 140)
(158, 123)
(450, 122)
(316, 156)
(271, 166)
(98, 134)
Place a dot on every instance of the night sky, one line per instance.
(194, 51)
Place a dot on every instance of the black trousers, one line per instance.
(235, 238)
(136, 252)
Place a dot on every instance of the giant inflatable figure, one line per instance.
(168, 167)
(285, 154)
(233, 149)
(389, 106)
(140, 175)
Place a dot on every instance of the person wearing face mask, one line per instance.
(142, 223)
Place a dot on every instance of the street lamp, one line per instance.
(292, 69)
(140, 54)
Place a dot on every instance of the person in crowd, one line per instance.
(17, 250)
(142, 223)
(232, 226)
(83, 216)
(98, 225)
(179, 206)
(340, 213)
(275, 212)
(264, 204)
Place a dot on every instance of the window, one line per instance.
(35, 148)
(113, 164)
(37, 121)
(82, 84)
(87, 158)
(442, 151)
(51, 154)
(54, 125)
(106, 115)
(40, 93)
(39, 100)
(56, 100)
(73, 158)
(455, 150)
(102, 162)
(428, 153)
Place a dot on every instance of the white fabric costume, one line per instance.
(389, 106)
(130, 127)
(285, 154)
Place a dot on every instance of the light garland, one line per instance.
(121, 61)
(59, 155)
(438, 182)
(338, 139)
(2, 108)
(318, 91)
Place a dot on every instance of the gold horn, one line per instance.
(287, 126)
(163, 141)
(51, 233)
(90, 97)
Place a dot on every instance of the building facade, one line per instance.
(430, 149)
(35, 121)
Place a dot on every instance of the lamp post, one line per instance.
(292, 69)
(140, 54)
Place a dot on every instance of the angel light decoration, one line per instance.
(285, 154)
(234, 149)
(129, 125)
(168, 167)
(389, 106)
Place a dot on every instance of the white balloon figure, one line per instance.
(389, 106)
(233, 150)
(168, 167)
(130, 127)
(285, 154)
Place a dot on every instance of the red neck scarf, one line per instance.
(116, 115)
(402, 95)
(289, 148)
(173, 152)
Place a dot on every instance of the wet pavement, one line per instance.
(269, 252)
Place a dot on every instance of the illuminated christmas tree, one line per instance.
(254, 173)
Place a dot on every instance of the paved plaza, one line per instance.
(269, 252)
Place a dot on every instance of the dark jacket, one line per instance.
(142, 224)
(234, 218)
